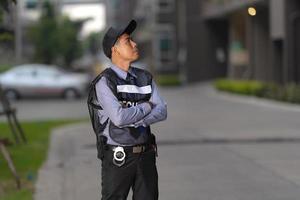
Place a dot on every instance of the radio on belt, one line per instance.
(119, 156)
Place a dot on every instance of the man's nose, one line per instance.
(133, 44)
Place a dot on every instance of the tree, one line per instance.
(4, 4)
(93, 43)
(6, 35)
(68, 44)
(44, 36)
(55, 38)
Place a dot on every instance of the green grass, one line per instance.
(27, 158)
(168, 80)
(4, 68)
(24, 194)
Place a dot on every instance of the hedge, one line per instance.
(287, 93)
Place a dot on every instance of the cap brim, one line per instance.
(130, 27)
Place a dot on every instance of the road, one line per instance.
(212, 147)
(44, 109)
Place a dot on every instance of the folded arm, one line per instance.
(119, 115)
(158, 113)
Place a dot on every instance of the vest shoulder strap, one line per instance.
(142, 72)
(92, 97)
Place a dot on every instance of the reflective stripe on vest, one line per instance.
(134, 89)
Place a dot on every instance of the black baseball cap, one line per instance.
(112, 35)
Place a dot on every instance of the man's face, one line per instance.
(126, 48)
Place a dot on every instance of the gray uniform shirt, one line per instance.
(139, 115)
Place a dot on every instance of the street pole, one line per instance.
(18, 32)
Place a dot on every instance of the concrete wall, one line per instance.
(292, 44)
(277, 16)
(260, 54)
(203, 41)
(297, 51)
(168, 20)
(119, 12)
(276, 60)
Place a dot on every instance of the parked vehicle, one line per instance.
(42, 80)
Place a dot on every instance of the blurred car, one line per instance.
(42, 80)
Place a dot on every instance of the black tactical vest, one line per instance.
(127, 135)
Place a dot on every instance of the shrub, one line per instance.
(289, 92)
(292, 93)
(244, 87)
(168, 80)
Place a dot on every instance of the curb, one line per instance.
(51, 175)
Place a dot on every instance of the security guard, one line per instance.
(123, 102)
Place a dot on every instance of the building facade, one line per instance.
(156, 34)
(263, 45)
(206, 39)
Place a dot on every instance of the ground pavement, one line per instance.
(212, 147)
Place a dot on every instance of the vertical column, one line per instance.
(18, 30)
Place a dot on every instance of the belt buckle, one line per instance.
(137, 149)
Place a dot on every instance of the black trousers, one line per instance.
(139, 173)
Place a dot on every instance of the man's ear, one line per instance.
(113, 50)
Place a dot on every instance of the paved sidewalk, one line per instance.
(71, 171)
(212, 147)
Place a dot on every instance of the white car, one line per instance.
(42, 80)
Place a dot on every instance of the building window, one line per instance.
(165, 6)
(164, 46)
(116, 4)
(31, 4)
(165, 49)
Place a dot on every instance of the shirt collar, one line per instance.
(121, 73)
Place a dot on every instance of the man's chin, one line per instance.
(136, 57)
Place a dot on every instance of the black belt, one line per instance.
(133, 149)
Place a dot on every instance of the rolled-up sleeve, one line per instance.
(119, 115)
(158, 113)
